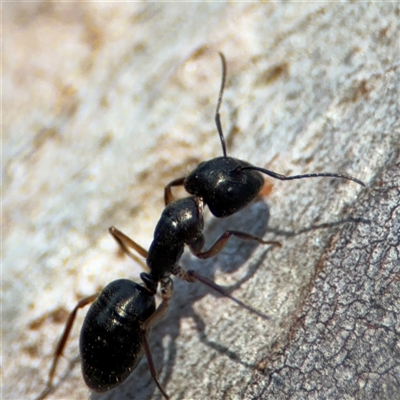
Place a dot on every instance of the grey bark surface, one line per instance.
(104, 104)
(345, 343)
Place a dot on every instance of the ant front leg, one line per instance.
(61, 344)
(168, 196)
(222, 241)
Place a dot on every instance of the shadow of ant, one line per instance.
(254, 219)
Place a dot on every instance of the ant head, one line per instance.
(224, 185)
(227, 184)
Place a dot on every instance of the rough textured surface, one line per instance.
(106, 103)
(345, 343)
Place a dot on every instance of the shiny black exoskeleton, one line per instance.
(114, 333)
(223, 184)
(228, 184)
(110, 343)
(180, 223)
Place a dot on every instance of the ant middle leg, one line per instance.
(152, 368)
(222, 241)
(160, 312)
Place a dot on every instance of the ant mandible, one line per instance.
(227, 184)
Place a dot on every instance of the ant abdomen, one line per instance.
(224, 185)
(111, 336)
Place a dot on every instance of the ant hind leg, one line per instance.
(61, 344)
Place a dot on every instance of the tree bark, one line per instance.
(104, 104)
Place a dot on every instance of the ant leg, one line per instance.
(61, 344)
(192, 276)
(168, 197)
(162, 309)
(152, 368)
(221, 242)
(167, 288)
(126, 242)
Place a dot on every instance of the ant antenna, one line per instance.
(221, 92)
(265, 171)
(289, 178)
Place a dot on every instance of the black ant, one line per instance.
(227, 184)
(114, 334)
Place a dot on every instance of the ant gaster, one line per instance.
(227, 184)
